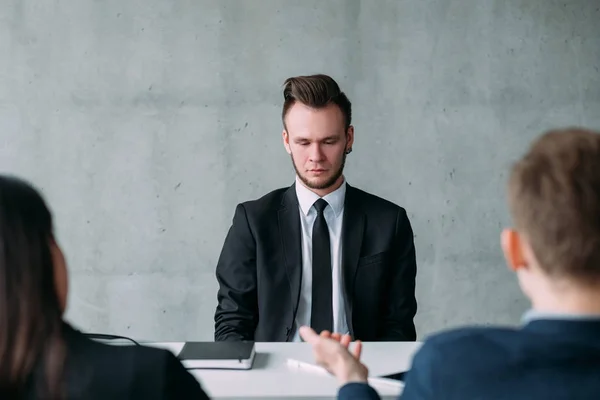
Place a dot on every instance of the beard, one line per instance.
(324, 184)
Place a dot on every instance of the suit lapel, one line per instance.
(290, 233)
(352, 236)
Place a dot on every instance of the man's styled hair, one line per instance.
(315, 91)
(554, 198)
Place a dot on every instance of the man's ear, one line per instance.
(349, 139)
(513, 246)
(286, 141)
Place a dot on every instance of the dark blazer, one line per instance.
(546, 359)
(260, 267)
(100, 371)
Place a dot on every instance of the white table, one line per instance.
(272, 378)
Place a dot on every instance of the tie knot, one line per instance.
(320, 205)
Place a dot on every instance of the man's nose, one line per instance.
(316, 153)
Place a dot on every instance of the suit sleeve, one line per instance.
(236, 315)
(357, 391)
(398, 324)
(419, 382)
(179, 383)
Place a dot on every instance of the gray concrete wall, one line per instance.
(146, 121)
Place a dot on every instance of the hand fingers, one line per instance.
(336, 336)
(325, 334)
(309, 335)
(345, 340)
(357, 351)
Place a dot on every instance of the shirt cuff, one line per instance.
(358, 391)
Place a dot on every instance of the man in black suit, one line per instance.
(321, 252)
(554, 249)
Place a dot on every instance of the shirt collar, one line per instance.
(532, 315)
(306, 198)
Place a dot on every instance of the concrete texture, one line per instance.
(146, 121)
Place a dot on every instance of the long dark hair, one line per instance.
(32, 351)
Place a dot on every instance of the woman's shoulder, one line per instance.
(119, 354)
(154, 370)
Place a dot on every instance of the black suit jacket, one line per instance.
(100, 371)
(260, 267)
(546, 359)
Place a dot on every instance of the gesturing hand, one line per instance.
(331, 352)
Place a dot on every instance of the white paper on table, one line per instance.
(373, 381)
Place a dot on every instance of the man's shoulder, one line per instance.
(450, 358)
(468, 334)
(461, 342)
(268, 202)
(373, 202)
(274, 199)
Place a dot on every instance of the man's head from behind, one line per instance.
(317, 130)
(554, 199)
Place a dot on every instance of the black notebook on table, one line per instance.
(217, 355)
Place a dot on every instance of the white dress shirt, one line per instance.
(334, 215)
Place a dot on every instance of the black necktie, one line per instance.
(322, 309)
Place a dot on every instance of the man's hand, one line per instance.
(331, 352)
